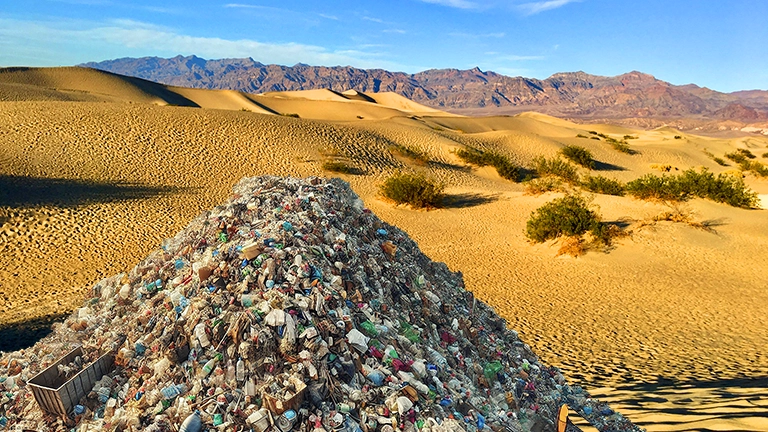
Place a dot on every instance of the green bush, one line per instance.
(603, 185)
(621, 146)
(578, 155)
(557, 168)
(414, 189)
(503, 165)
(720, 161)
(765, 155)
(736, 157)
(722, 188)
(629, 137)
(746, 153)
(566, 216)
(756, 167)
(539, 186)
(339, 167)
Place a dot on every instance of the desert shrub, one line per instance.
(596, 138)
(746, 153)
(578, 155)
(409, 152)
(621, 146)
(294, 115)
(736, 157)
(663, 167)
(678, 137)
(722, 188)
(629, 137)
(716, 159)
(653, 187)
(542, 185)
(566, 216)
(557, 168)
(338, 167)
(756, 167)
(414, 189)
(765, 155)
(503, 165)
(603, 185)
(581, 136)
(593, 132)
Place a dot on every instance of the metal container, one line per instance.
(57, 395)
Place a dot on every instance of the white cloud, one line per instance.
(541, 6)
(330, 17)
(376, 20)
(513, 72)
(398, 31)
(118, 38)
(460, 4)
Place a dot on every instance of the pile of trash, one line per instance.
(293, 307)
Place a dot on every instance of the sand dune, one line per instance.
(89, 186)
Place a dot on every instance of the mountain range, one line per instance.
(575, 95)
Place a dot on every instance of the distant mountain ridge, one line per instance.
(473, 91)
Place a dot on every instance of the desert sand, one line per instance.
(668, 325)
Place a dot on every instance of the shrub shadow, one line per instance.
(605, 166)
(468, 200)
(21, 191)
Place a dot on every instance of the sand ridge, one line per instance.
(670, 302)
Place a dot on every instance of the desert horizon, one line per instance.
(664, 321)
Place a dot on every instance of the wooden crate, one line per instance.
(56, 395)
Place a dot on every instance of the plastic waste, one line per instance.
(193, 423)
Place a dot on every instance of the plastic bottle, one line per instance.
(209, 366)
(173, 390)
(201, 336)
(230, 371)
(193, 423)
(240, 371)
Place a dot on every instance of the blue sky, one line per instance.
(722, 45)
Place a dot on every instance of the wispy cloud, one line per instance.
(512, 71)
(540, 6)
(398, 31)
(460, 4)
(118, 38)
(330, 17)
(372, 19)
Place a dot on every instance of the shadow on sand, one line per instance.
(683, 405)
(21, 192)
(467, 200)
(605, 166)
(14, 337)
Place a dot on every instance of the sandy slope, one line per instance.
(89, 187)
